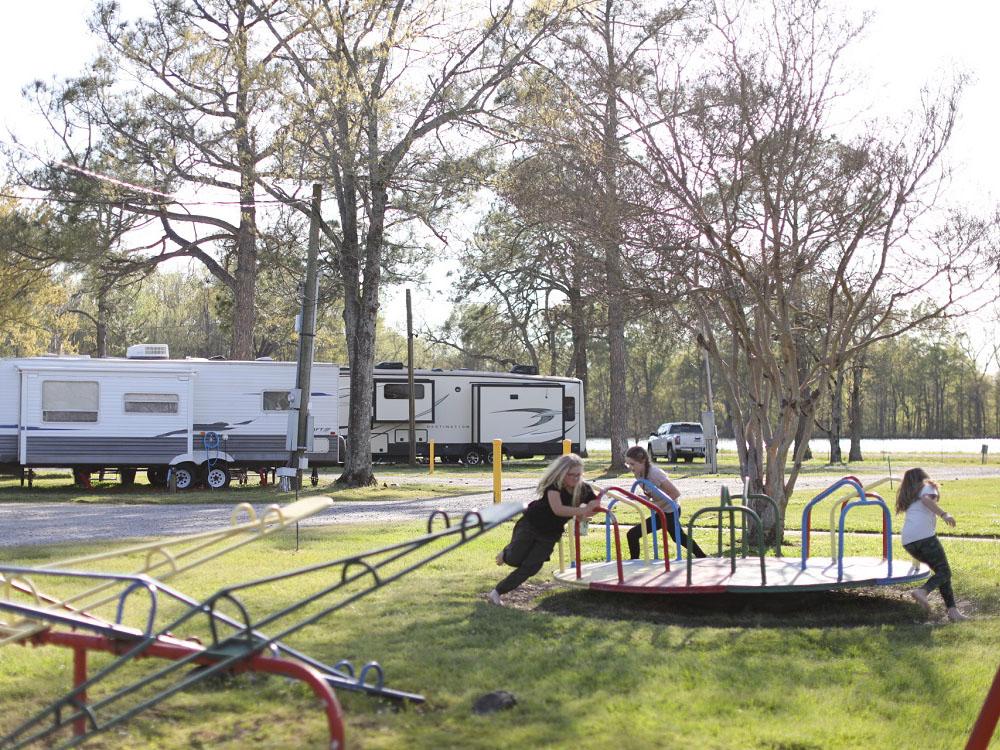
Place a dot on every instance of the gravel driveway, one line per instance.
(46, 523)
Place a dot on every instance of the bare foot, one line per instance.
(921, 598)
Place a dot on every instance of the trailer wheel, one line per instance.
(218, 477)
(127, 477)
(156, 476)
(473, 457)
(184, 476)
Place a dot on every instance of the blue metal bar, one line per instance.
(151, 588)
(887, 535)
(845, 482)
(661, 495)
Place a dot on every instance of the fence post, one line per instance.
(497, 468)
(430, 455)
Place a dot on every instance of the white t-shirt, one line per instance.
(920, 520)
(657, 476)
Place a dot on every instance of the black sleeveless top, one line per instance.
(539, 513)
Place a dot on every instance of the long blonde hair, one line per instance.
(909, 489)
(556, 473)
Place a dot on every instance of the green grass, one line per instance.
(847, 669)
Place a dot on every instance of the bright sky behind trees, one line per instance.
(907, 44)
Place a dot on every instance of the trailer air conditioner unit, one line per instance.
(148, 351)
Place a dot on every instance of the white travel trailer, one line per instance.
(199, 419)
(463, 411)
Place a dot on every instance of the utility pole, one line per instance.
(307, 343)
(409, 380)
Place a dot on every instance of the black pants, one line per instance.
(930, 552)
(527, 552)
(635, 534)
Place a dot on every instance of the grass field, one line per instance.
(852, 669)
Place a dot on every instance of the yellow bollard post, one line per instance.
(497, 468)
(430, 455)
(567, 447)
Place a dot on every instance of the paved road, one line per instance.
(47, 523)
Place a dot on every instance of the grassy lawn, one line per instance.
(849, 669)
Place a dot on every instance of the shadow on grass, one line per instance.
(861, 607)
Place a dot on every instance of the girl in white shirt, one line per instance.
(918, 497)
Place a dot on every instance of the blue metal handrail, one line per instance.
(886, 533)
(661, 495)
(806, 512)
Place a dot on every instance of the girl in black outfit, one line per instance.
(564, 495)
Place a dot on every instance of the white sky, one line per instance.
(908, 43)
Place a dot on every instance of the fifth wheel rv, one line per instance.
(197, 419)
(463, 411)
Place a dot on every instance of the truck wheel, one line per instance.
(671, 456)
(649, 450)
(217, 478)
(473, 457)
(185, 476)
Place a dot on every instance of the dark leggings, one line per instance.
(527, 552)
(635, 534)
(930, 552)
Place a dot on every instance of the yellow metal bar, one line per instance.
(567, 446)
(497, 468)
(430, 454)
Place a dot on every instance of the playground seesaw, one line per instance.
(738, 571)
(229, 635)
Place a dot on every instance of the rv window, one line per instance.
(151, 403)
(275, 400)
(69, 401)
(569, 408)
(402, 391)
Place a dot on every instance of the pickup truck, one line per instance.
(677, 439)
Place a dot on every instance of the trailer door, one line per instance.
(517, 413)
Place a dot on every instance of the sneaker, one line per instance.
(956, 616)
(494, 598)
(921, 598)
(499, 558)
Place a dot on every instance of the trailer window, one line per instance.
(402, 391)
(151, 403)
(69, 401)
(569, 408)
(275, 400)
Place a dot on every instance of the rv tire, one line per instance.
(185, 476)
(473, 457)
(156, 476)
(218, 477)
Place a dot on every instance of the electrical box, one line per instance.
(291, 440)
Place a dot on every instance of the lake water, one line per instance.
(869, 447)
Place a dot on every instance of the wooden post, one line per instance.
(409, 380)
(430, 455)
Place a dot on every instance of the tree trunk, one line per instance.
(854, 409)
(836, 418)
